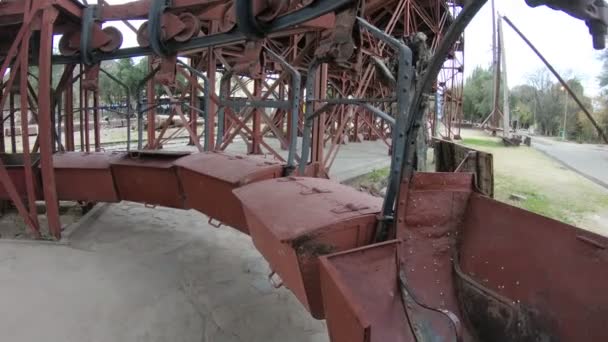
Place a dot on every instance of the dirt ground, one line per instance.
(13, 227)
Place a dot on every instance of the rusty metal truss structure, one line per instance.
(193, 48)
(435, 260)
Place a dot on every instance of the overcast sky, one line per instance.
(563, 40)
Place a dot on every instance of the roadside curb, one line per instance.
(566, 165)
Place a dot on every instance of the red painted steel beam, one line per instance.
(257, 120)
(44, 107)
(318, 144)
(211, 75)
(30, 179)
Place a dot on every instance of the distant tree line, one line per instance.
(541, 103)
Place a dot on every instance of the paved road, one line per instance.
(589, 160)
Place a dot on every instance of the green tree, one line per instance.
(478, 93)
(523, 104)
(127, 71)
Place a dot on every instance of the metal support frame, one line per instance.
(140, 107)
(256, 101)
(206, 103)
(129, 110)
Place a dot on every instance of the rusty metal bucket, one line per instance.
(85, 176)
(293, 221)
(16, 172)
(149, 177)
(546, 279)
(209, 178)
(466, 267)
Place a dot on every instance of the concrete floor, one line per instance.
(133, 273)
(140, 274)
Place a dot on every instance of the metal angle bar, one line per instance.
(352, 101)
(404, 80)
(379, 113)
(256, 103)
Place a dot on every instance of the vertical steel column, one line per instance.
(193, 103)
(69, 115)
(318, 131)
(355, 137)
(339, 122)
(87, 129)
(59, 122)
(82, 109)
(12, 122)
(25, 139)
(257, 119)
(225, 87)
(287, 131)
(44, 120)
(213, 107)
(151, 98)
(96, 121)
(2, 144)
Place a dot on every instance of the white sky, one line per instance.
(563, 40)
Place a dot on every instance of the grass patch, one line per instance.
(537, 201)
(372, 182)
(544, 201)
(480, 142)
(378, 175)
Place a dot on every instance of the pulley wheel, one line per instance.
(143, 35)
(228, 21)
(274, 9)
(115, 39)
(64, 45)
(193, 27)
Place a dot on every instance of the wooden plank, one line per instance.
(450, 156)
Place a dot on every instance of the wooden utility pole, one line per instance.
(495, 112)
(506, 113)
